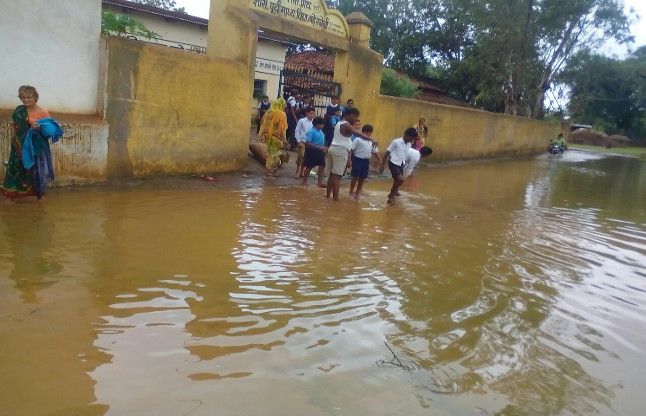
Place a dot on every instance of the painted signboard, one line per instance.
(267, 66)
(313, 13)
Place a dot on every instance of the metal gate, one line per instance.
(315, 89)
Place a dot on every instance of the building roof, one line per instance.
(167, 14)
(311, 61)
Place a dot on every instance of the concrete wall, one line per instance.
(454, 132)
(79, 157)
(53, 46)
(173, 113)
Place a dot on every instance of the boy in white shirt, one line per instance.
(396, 157)
(304, 125)
(362, 150)
(413, 157)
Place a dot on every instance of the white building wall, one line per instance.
(54, 46)
(270, 56)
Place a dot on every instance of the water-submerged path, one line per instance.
(516, 287)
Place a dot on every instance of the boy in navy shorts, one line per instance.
(315, 151)
(362, 150)
(396, 157)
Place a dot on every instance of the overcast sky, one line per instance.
(201, 8)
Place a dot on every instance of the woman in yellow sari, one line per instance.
(272, 132)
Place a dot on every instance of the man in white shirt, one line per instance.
(396, 157)
(304, 125)
(412, 158)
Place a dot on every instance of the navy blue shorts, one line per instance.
(395, 170)
(360, 167)
(313, 158)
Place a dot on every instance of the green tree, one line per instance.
(500, 55)
(610, 94)
(398, 85)
(162, 4)
(396, 30)
(121, 25)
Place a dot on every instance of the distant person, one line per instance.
(362, 151)
(330, 111)
(422, 134)
(29, 168)
(263, 107)
(292, 119)
(273, 133)
(304, 125)
(357, 126)
(559, 141)
(348, 105)
(338, 153)
(413, 157)
(315, 151)
(395, 156)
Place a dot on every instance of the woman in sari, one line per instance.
(18, 181)
(422, 134)
(272, 132)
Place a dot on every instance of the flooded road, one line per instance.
(511, 288)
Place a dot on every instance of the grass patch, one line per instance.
(634, 151)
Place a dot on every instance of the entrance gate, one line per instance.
(314, 89)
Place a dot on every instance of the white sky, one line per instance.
(638, 27)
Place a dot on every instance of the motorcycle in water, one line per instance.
(556, 149)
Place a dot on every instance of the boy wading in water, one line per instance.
(396, 156)
(362, 150)
(338, 153)
(315, 151)
(304, 125)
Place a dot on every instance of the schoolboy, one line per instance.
(396, 158)
(304, 125)
(315, 151)
(362, 150)
(338, 153)
(412, 158)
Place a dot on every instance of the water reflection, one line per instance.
(30, 245)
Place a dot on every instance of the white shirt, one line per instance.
(412, 158)
(304, 125)
(339, 139)
(398, 151)
(363, 149)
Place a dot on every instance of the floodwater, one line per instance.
(510, 288)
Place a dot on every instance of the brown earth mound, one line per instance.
(597, 138)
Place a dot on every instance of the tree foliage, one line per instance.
(162, 4)
(499, 55)
(610, 94)
(398, 85)
(122, 25)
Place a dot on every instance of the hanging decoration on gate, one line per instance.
(313, 13)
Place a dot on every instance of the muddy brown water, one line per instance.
(510, 287)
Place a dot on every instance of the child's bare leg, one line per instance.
(307, 175)
(394, 191)
(336, 184)
(330, 184)
(359, 186)
(353, 183)
(320, 177)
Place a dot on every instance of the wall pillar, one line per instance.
(233, 32)
(359, 69)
